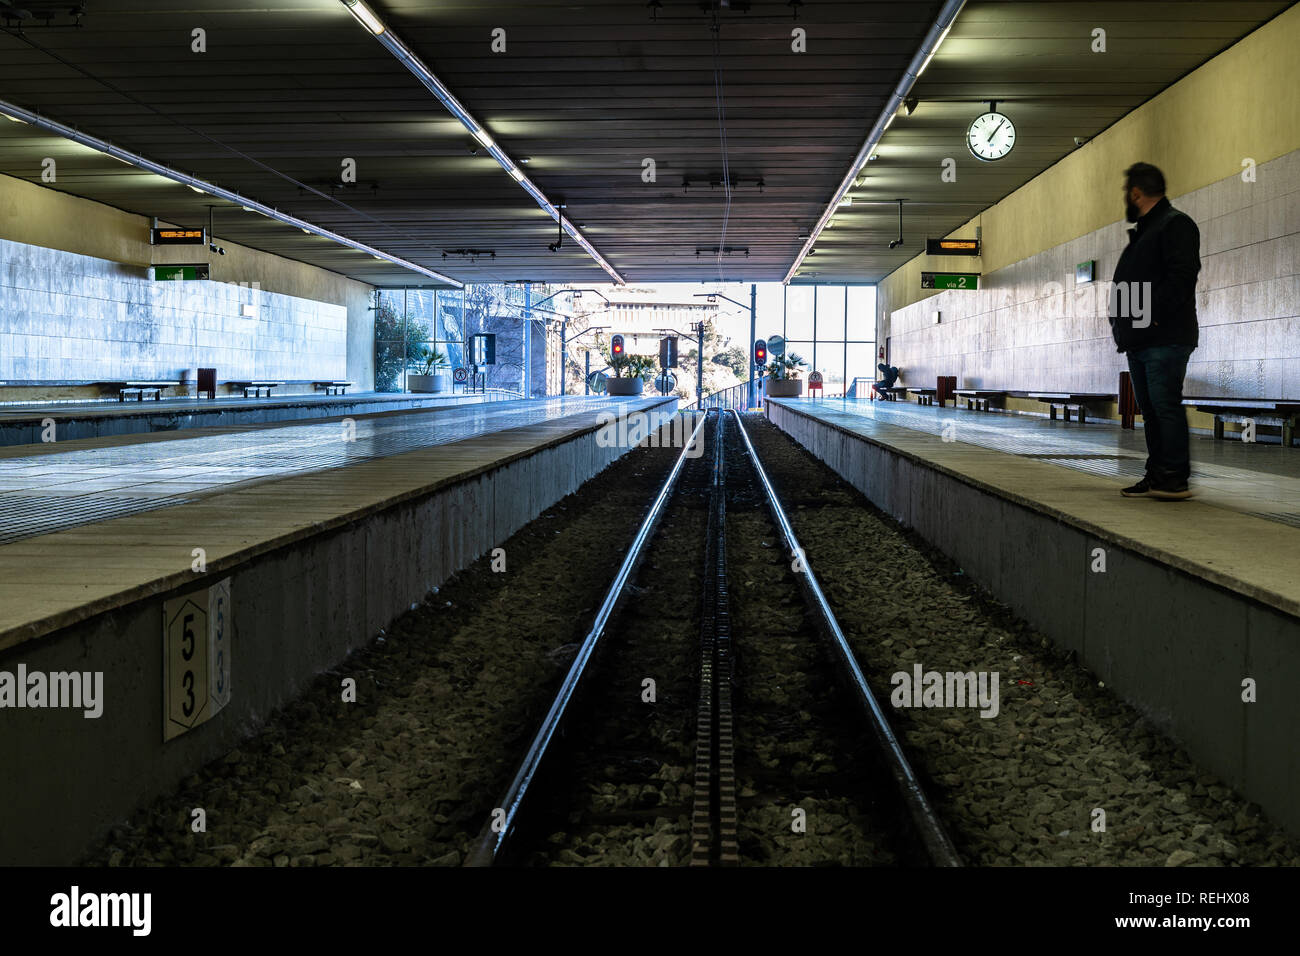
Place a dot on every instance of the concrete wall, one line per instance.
(1200, 131)
(1031, 327)
(42, 217)
(69, 316)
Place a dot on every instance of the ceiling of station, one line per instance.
(588, 92)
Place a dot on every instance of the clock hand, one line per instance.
(995, 131)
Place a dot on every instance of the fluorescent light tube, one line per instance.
(365, 16)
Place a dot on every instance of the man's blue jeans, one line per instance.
(1157, 373)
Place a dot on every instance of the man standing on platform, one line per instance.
(1153, 321)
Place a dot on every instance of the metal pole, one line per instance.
(564, 356)
(699, 364)
(814, 356)
(844, 389)
(753, 305)
(528, 339)
(586, 378)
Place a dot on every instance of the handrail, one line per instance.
(723, 398)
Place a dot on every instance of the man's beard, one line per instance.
(1131, 212)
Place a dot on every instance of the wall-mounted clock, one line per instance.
(991, 135)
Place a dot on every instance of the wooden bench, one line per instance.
(332, 388)
(1069, 400)
(895, 392)
(924, 396)
(1261, 411)
(255, 387)
(977, 399)
(138, 389)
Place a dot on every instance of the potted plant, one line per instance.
(431, 377)
(629, 374)
(783, 376)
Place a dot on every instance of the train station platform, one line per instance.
(1185, 608)
(301, 540)
(25, 423)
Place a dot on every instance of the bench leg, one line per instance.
(1051, 412)
(1081, 415)
(1288, 433)
(1218, 427)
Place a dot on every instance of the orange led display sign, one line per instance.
(178, 237)
(952, 247)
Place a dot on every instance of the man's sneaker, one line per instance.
(1170, 490)
(1141, 489)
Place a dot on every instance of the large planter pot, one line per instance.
(784, 387)
(429, 383)
(624, 386)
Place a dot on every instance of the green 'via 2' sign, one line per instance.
(950, 280)
(161, 273)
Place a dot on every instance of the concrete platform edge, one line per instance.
(1173, 644)
(299, 607)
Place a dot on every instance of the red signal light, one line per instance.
(760, 352)
(616, 346)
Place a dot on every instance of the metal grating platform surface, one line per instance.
(19, 514)
(55, 491)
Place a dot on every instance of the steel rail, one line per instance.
(500, 827)
(934, 838)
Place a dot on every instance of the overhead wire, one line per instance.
(722, 136)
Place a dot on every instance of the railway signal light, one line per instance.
(760, 352)
(668, 351)
(616, 346)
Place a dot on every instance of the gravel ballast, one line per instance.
(1022, 787)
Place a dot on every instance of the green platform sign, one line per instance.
(950, 280)
(161, 273)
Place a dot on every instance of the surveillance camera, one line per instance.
(1080, 140)
(895, 242)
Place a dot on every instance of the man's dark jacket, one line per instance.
(1165, 250)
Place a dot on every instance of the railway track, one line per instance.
(580, 745)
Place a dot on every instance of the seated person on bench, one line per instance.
(891, 374)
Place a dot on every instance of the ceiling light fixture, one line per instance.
(935, 36)
(421, 72)
(933, 51)
(364, 16)
(198, 185)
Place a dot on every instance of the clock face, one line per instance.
(991, 136)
